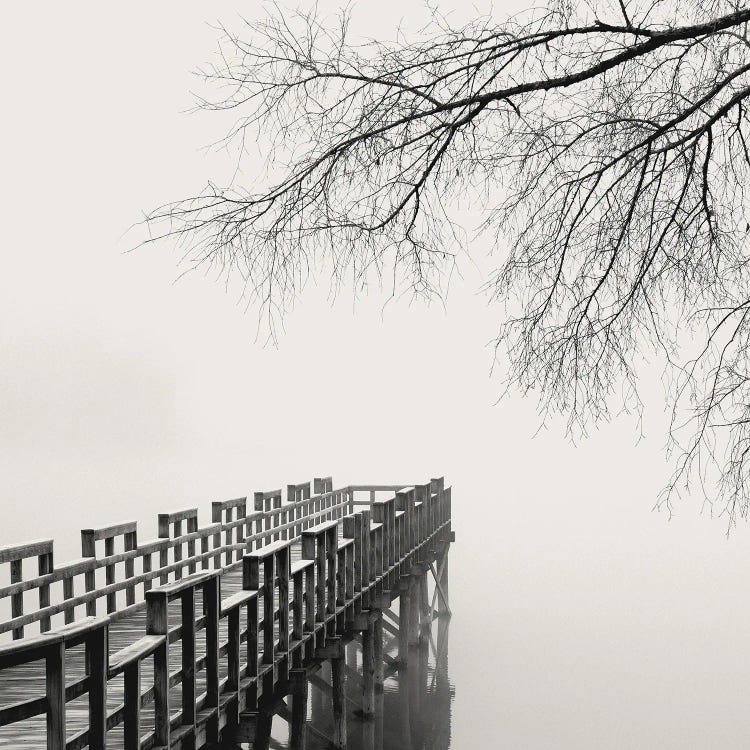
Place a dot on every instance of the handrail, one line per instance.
(218, 544)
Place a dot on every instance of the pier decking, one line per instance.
(199, 647)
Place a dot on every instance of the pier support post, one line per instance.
(263, 725)
(368, 671)
(415, 584)
(425, 614)
(338, 675)
(298, 687)
(442, 583)
(404, 617)
(377, 651)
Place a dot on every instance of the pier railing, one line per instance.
(182, 547)
(294, 611)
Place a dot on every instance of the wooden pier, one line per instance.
(211, 631)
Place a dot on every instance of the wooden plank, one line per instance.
(164, 519)
(134, 652)
(106, 531)
(34, 548)
(236, 600)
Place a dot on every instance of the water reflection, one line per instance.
(412, 712)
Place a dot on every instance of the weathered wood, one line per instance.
(404, 613)
(131, 544)
(16, 600)
(187, 602)
(55, 694)
(233, 663)
(414, 607)
(109, 573)
(96, 659)
(34, 548)
(339, 707)
(329, 587)
(45, 566)
(377, 650)
(88, 549)
(135, 652)
(132, 719)
(368, 670)
(157, 623)
(212, 608)
(117, 529)
(299, 693)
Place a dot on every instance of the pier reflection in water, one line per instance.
(413, 712)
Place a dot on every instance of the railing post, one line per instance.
(298, 616)
(233, 661)
(283, 563)
(46, 565)
(366, 576)
(163, 531)
(187, 602)
(88, 549)
(241, 513)
(132, 719)
(250, 582)
(192, 526)
(212, 609)
(353, 530)
(146, 559)
(216, 519)
(308, 553)
(109, 573)
(97, 661)
(276, 505)
(55, 693)
(16, 600)
(131, 544)
(68, 593)
(331, 544)
(177, 549)
(157, 623)
(313, 548)
(258, 507)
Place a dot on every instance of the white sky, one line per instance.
(123, 394)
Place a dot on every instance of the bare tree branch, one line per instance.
(608, 147)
